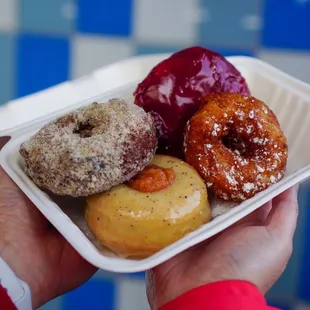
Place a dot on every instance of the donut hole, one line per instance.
(84, 129)
(235, 143)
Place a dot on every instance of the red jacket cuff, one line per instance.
(225, 295)
(5, 300)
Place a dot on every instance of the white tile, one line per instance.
(131, 294)
(8, 14)
(293, 63)
(92, 52)
(167, 21)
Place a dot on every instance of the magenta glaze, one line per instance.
(172, 91)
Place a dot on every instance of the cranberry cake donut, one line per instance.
(91, 150)
(172, 91)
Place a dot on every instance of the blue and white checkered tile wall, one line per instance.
(45, 42)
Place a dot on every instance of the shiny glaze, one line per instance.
(172, 91)
(152, 179)
(136, 224)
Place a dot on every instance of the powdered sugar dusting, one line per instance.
(247, 187)
(208, 146)
(265, 110)
(240, 115)
(273, 179)
(230, 179)
(251, 114)
(216, 129)
(260, 169)
(249, 157)
(243, 161)
(249, 129)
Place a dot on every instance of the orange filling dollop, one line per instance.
(152, 179)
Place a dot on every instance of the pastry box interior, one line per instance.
(286, 96)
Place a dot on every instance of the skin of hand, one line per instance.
(256, 250)
(33, 248)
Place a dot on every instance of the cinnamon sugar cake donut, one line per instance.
(92, 149)
(236, 144)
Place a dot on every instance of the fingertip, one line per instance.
(288, 199)
(282, 219)
(295, 188)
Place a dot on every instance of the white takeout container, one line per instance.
(288, 97)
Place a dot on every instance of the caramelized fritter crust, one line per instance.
(236, 144)
(91, 150)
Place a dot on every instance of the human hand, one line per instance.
(256, 250)
(33, 248)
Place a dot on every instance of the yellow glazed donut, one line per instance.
(164, 202)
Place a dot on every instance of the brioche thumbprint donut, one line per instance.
(91, 149)
(236, 144)
(160, 205)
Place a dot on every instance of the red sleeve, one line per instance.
(226, 295)
(5, 300)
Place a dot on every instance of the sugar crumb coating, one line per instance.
(91, 149)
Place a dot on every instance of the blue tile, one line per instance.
(279, 305)
(237, 25)
(113, 18)
(42, 62)
(286, 287)
(287, 24)
(231, 51)
(304, 279)
(7, 62)
(46, 16)
(95, 295)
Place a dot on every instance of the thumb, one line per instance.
(4, 141)
(5, 181)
